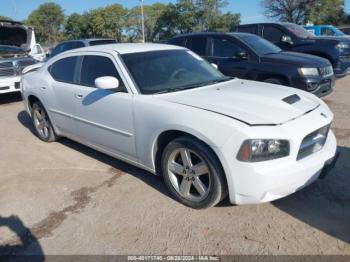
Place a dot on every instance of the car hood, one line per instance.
(297, 59)
(15, 34)
(253, 103)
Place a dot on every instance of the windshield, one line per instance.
(298, 30)
(338, 32)
(259, 45)
(170, 70)
(4, 49)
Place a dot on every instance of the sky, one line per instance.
(251, 11)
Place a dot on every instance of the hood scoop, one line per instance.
(291, 99)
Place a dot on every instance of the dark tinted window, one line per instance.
(198, 45)
(259, 45)
(96, 66)
(63, 70)
(178, 41)
(102, 42)
(327, 31)
(272, 34)
(66, 46)
(225, 48)
(247, 29)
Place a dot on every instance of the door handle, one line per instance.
(79, 96)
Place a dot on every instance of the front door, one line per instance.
(104, 117)
(231, 59)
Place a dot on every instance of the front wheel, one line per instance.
(193, 173)
(42, 124)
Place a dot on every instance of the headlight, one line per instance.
(342, 46)
(305, 71)
(256, 150)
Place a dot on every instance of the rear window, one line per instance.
(247, 29)
(198, 45)
(66, 46)
(102, 42)
(63, 69)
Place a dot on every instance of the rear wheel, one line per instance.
(192, 173)
(42, 124)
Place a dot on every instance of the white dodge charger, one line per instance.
(166, 110)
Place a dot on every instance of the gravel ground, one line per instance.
(64, 198)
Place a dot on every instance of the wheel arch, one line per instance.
(166, 136)
(263, 77)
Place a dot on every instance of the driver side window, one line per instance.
(94, 66)
(225, 48)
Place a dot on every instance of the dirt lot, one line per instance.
(64, 198)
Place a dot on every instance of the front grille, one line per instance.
(5, 65)
(313, 142)
(24, 63)
(326, 71)
(13, 68)
(7, 72)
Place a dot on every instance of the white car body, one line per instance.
(128, 125)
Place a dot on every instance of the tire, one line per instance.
(42, 124)
(199, 183)
(276, 81)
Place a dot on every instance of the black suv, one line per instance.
(251, 57)
(73, 44)
(292, 37)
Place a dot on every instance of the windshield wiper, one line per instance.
(211, 82)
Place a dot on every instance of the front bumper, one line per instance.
(10, 84)
(321, 86)
(342, 67)
(281, 181)
(259, 182)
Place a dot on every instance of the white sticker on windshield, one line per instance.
(195, 56)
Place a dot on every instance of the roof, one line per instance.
(128, 48)
(212, 33)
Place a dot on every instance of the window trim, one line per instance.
(124, 87)
(49, 69)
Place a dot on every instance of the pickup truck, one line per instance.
(292, 37)
(18, 49)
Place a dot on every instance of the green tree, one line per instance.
(303, 11)
(195, 15)
(76, 26)
(5, 18)
(106, 22)
(224, 22)
(327, 12)
(47, 20)
(151, 16)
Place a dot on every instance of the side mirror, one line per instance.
(107, 82)
(242, 55)
(214, 65)
(287, 39)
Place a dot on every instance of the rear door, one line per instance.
(231, 58)
(63, 88)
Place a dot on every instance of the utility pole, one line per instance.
(142, 22)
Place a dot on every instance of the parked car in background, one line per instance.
(73, 44)
(251, 57)
(292, 37)
(16, 43)
(324, 30)
(167, 110)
